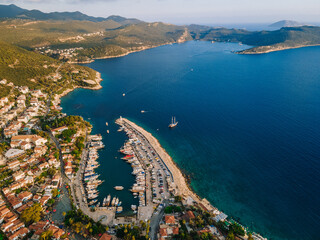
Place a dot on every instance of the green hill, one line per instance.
(25, 68)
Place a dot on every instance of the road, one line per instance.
(155, 221)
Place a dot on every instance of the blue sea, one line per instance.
(248, 132)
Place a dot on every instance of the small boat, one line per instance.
(123, 94)
(107, 123)
(173, 123)
(108, 200)
(116, 202)
(107, 131)
(143, 111)
(119, 188)
(104, 202)
(113, 201)
(119, 209)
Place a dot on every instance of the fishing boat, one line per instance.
(104, 203)
(93, 202)
(119, 188)
(119, 209)
(108, 200)
(113, 201)
(173, 123)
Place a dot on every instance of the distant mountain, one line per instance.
(12, 11)
(287, 23)
(63, 16)
(124, 21)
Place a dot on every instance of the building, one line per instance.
(35, 139)
(59, 130)
(18, 175)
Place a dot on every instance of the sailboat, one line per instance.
(173, 123)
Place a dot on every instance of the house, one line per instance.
(35, 139)
(59, 130)
(36, 198)
(44, 200)
(41, 150)
(163, 232)
(170, 219)
(15, 202)
(188, 216)
(105, 236)
(57, 232)
(44, 165)
(13, 153)
(10, 133)
(19, 234)
(24, 119)
(24, 89)
(53, 162)
(220, 217)
(18, 175)
(25, 145)
(17, 224)
(13, 164)
(3, 101)
(25, 196)
(37, 93)
(34, 102)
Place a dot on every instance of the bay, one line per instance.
(248, 132)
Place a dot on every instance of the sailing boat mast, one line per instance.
(173, 122)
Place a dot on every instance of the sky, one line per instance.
(187, 11)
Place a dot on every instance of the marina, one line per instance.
(90, 180)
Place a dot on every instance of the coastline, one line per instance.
(98, 80)
(278, 49)
(126, 53)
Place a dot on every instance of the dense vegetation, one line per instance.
(18, 65)
(82, 224)
(32, 214)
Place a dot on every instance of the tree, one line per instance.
(52, 171)
(32, 214)
(250, 236)
(46, 235)
(177, 198)
(230, 236)
(237, 229)
(55, 193)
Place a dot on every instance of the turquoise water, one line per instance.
(248, 133)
